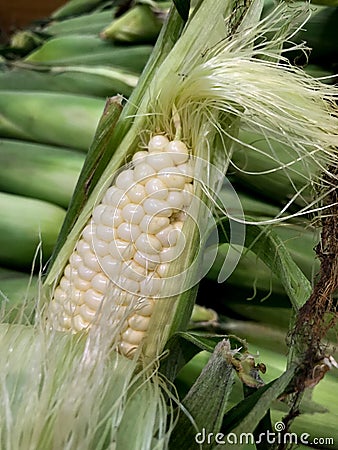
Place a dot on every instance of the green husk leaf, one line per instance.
(205, 403)
(270, 248)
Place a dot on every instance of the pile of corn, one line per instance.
(54, 80)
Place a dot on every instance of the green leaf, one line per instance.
(206, 401)
(183, 346)
(246, 415)
(269, 247)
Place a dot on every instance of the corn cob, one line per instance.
(91, 23)
(26, 223)
(75, 7)
(92, 81)
(139, 219)
(89, 50)
(59, 119)
(141, 24)
(53, 171)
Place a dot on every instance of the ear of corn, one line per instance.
(25, 224)
(88, 239)
(84, 24)
(140, 24)
(59, 119)
(75, 7)
(53, 171)
(85, 80)
(89, 50)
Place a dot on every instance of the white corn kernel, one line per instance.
(172, 177)
(121, 249)
(152, 206)
(133, 336)
(157, 143)
(175, 199)
(100, 283)
(91, 261)
(178, 152)
(111, 266)
(133, 213)
(105, 233)
(128, 232)
(137, 193)
(155, 188)
(100, 247)
(87, 314)
(98, 210)
(138, 322)
(159, 161)
(146, 260)
(148, 243)
(93, 299)
(153, 224)
(143, 172)
(139, 157)
(85, 273)
(151, 285)
(125, 179)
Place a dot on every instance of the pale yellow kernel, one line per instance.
(65, 284)
(125, 179)
(105, 233)
(153, 224)
(145, 307)
(149, 261)
(157, 143)
(75, 259)
(140, 157)
(100, 283)
(80, 284)
(111, 266)
(151, 285)
(119, 198)
(133, 213)
(172, 177)
(85, 273)
(169, 254)
(127, 284)
(112, 217)
(120, 249)
(163, 235)
(70, 309)
(76, 297)
(97, 211)
(133, 271)
(88, 232)
(162, 269)
(82, 247)
(153, 206)
(78, 323)
(65, 322)
(87, 313)
(139, 323)
(133, 336)
(136, 193)
(187, 170)
(93, 299)
(70, 272)
(60, 295)
(91, 261)
(147, 243)
(128, 232)
(127, 349)
(155, 188)
(175, 199)
(188, 193)
(100, 248)
(143, 172)
(159, 161)
(178, 151)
